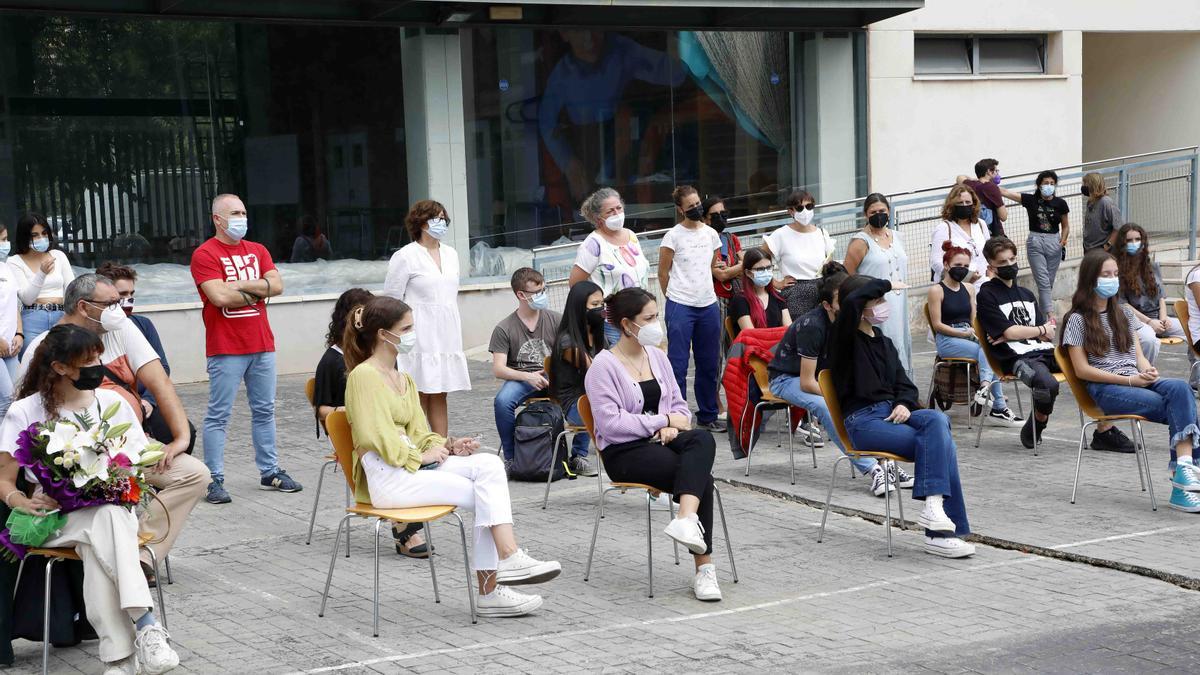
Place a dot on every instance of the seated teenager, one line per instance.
(61, 380)
(951, 304)
(1100, 336)
(880, 407)
(758, 304)
(580, 337)
(643, 428)
(793, 371)
(399, 463)
(1142, 290)
(520, 344)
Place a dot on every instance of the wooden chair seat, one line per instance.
(878, 455)
(416, 514)
(68, 552)
(634, 486)
(1170, 340)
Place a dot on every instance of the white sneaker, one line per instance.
(949, 547)
(689, 532)
(154, 652)
(126, 666)
(705, 584)
(983, 396)
(660, 503)
(506, 602)
(521, 568)
(879, 484)
(934, 518)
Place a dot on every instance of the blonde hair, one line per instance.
(1095, 185)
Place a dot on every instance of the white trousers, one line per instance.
(476, 483)
(1149, 340)
(114, 587)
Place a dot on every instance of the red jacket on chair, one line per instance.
(741, 392)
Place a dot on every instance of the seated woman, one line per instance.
(758, 305)
(399, 463)
(1100, 337)
(643, 428)
(1142, 290)
(951, 305)
(879, 407)
(62, 380)
(580, 337)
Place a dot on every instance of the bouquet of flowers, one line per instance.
(82, 462)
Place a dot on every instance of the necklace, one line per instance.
(392, 378)
(637, 367)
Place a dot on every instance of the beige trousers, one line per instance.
(179, 488)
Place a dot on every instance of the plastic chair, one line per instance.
(585, 411)
(829, 392)
(1181, 313)
(59, 554)
(769, 401)
(338, 428)
(310, 389)
(730, 329)
(1088, 405)
(951, 362)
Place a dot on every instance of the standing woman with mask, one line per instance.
(878, 251)
(801, 250)
(1049, 226)
(687, 258)
(610, 257)
(730, 265)
(11, 339)
(41, 273)
(424, 275)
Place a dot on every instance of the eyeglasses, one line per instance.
(104, 305)
(805, 207)
(763, 269)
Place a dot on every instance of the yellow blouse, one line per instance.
(384, 422)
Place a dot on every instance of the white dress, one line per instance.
(437, 364)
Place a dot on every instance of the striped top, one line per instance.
(1113, 361)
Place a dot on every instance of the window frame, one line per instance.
(972, 44)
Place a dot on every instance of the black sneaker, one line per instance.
(1112, 441)
(217, 493)
(280, 481)
(1007, 416)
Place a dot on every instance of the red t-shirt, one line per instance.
(240, 330)
(730, 246)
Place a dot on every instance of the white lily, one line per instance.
(64, 436)
(91, 465)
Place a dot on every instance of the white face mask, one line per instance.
(407, 341)
(237, 227)
(615, 221)
(650, 335)
(804, 216)
(111, 318)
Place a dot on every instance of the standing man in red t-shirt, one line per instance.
(235, 277)
(992, 210)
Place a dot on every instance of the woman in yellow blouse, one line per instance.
(400, 463)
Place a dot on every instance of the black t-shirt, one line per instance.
(566, 380)
(878, 375)
(1045, 215)
(651, 396)
(805, 338)
(999, 307)
(739, 306)
(331, 380)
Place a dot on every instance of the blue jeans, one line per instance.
(8, 375)
(925, 439)
(696, 331)
(1167, 401)
(962, 348)
(34, 322)
(579, 444)
(225, 375)
(787, 387)
(511, 395)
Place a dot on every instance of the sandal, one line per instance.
(151, 580)
(401, 538)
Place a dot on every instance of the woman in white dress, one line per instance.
(878, 251)
(610, 257)
(963, 228)
(424, 275)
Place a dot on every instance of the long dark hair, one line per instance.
(758, 313)
(1135, 270)
(24, 234)
(67, 344)
(1095, 342)
(853, 296)
(341, 309)
(583, 339)
(380, 313)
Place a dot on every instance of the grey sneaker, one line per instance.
(217, 493)
(279, 481)
(715, 426)
(580, 466)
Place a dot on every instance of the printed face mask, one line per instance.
(127, 306)
(1047, 190)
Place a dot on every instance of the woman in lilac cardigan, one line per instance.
(643, 428)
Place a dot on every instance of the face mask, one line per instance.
(437, 228)
(963, 211)
(236, 227)
(694, 213)
(5, 247)
(539, 300)
(111, 318)
(761, 277)
(879, 220)
(1133, 247)
(40, 245)
(996, 178)
(615, 221)
(595, 317)
(1007, 272)
(1106, 287)
(1085, 191)
(1047, 190)
(719, 221)
(959, 273)
(650, 335)
(406, 343)
(89, 378)
(878, 315)
(804, 216)
(127, 306)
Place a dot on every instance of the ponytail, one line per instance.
(364, 323)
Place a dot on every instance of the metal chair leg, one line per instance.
(587, 571)
(337, 539)
(550, 474)
(753, 440)
(375, 610)
(432, 572)
(979, 431)
(725, 528)
(887, 504)
(649, 550)
(46, 618)
(1146, 463)
(349, 503)
(162, 606)
(1020, 405)
(671, 507)
(167, 564)
(1079, 459)
(1137, 454)
(462, 532)
(899, 494)
(20, 571)
(829, 495)
(312, 519)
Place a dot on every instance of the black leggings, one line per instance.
(1038, 374)
(682, 467)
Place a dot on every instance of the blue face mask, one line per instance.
(437, 228)
(1133, 247)
(5, 247)
(236, 227)
(539, 300)
(761, 277)
(40, 245)
(1047, 190)
(1106, 287)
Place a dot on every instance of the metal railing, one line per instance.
(1157, 190)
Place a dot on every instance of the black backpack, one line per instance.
(539, 425)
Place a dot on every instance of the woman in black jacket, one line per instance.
(879, 403)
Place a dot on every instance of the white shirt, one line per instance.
(800, 255)
(690, 282)
(10, 306)
(1193, 310)
(33, 284)
(123, 347)
(974, 244)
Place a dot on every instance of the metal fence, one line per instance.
(1156, 190)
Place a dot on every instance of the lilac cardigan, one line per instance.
(615, 397)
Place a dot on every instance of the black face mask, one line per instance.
(595, 317)
(879, 220)
(719, 220)
(959, 273)
(89, 378)
(694, 214)
(1085, 191)
(1008, 272)
(963, 211)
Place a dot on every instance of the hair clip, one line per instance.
(358, 312)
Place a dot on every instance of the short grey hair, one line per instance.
(82, 289)
(591, 206)
(220, 198)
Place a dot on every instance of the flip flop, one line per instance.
(420, 551)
